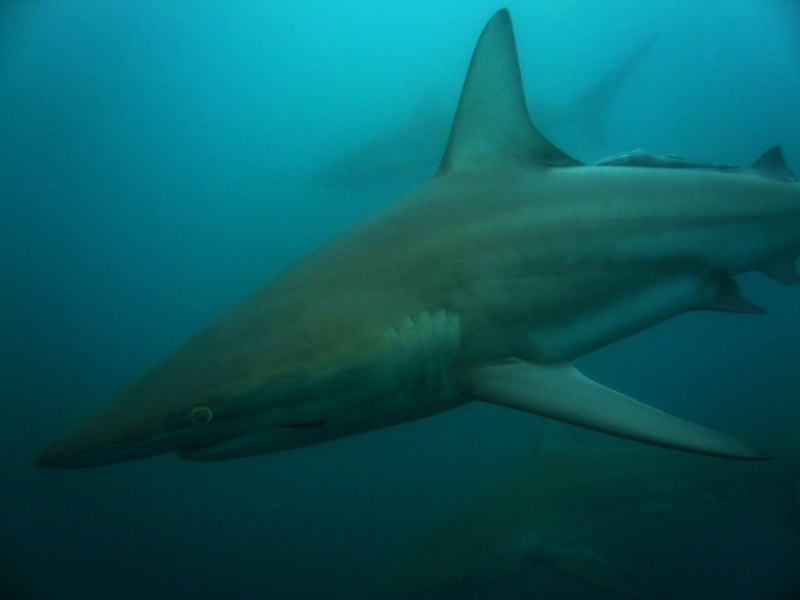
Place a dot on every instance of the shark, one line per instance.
(411, 152)
(480, 285)
(547, 511)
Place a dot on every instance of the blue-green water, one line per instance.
(159, 160)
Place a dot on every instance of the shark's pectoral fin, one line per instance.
(581, 562)
(561, 392)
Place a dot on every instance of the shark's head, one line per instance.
(240, 419)
(261, 381)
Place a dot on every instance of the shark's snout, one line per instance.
(55, 456)
(70, 452)
(103, 438)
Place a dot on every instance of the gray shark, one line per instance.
(481, 285)
(546, 511)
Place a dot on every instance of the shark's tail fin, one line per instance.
(590, 107)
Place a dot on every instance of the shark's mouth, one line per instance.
(259, 441)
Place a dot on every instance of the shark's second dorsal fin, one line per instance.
(492, 127)
(772, 164)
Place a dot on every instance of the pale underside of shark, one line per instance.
(480, 285)
(546, 512)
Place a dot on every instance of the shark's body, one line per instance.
(479, 285)
(547, 511)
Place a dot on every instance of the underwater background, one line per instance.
(160, 160)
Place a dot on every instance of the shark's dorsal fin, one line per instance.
(492, 127)
(772, 164)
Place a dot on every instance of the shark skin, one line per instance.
(546, 512)
(480, 285)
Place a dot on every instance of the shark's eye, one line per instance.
(201, 415)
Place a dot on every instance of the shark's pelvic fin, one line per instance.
(728, 298)
(492, 127)
(772, 164)
(583, 563)
(559, 391)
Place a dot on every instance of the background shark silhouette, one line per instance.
(547, 511)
